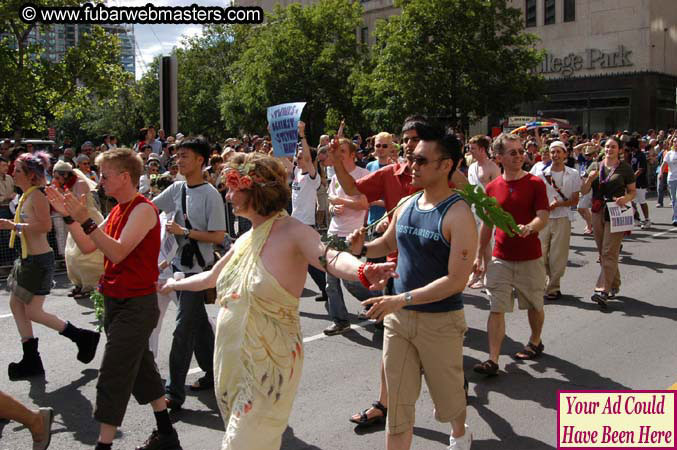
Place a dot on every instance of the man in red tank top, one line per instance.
(130, 241)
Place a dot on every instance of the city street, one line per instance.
(630, 346)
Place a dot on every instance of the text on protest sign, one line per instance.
(283, 123)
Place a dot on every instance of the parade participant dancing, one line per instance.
(611, 180)
(33, 272)
(130, 241)
(259, 348)
(84, 271)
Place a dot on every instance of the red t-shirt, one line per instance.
(521, 198)
(391, 183)
(136, 275)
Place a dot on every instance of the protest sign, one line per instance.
(622, 218)
(283, 123)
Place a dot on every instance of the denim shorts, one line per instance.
(31, 276)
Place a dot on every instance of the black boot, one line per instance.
(86, 340)
(30, 365)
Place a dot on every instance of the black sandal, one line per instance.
(530, 351)
(365, 421)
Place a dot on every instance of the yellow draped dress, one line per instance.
(258, 355)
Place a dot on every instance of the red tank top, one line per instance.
(136, 275)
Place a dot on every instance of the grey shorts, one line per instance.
(31, 276)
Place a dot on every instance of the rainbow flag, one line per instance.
(540, 124)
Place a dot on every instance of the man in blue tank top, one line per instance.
(424, 320)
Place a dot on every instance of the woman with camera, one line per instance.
(611, 180)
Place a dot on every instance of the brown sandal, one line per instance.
(487, 367)
(530, 351)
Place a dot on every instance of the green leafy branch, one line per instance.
(488, 209)
(97, 299)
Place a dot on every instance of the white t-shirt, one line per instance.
(568, 181)
(671, 161)
(351, 219)
(304, 196)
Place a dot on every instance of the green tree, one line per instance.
(458, 60)
(204, 65)
(299, 54)
(34, 90)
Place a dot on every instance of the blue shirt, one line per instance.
(375, 212)
(424, 252)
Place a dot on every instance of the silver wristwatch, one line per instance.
(186, 232)
(408, 298)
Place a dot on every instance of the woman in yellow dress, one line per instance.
(258, 354)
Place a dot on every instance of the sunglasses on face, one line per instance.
(422, 160)
(380, 145)
(517, 152)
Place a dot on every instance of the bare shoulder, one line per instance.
(144, 212)
(459, 215)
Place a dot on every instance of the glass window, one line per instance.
(530, 13)
(569, 10)
(549, 12)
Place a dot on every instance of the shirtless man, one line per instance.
(483, 170)
(480, 173)
(33, 273)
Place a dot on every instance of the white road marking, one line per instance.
(316, 337)
(664, 232)
(5, 316)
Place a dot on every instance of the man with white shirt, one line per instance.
(563, 185)
(348, 212)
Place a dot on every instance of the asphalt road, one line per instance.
(629, 347)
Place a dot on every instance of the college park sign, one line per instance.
(590, 59)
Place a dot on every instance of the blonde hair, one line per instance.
(124, 160)
(384, 135)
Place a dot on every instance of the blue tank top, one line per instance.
(424, 252)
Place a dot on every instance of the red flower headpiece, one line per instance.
(243, 177)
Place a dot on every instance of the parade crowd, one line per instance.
(177, 219)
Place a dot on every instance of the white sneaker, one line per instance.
(647, 224)
(462, 443)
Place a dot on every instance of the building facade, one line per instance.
(609, 64)
(56, 39)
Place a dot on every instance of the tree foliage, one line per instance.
(299, 54)
(204, 66)
(34, 90)
(455, 59)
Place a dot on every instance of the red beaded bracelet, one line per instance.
(362, 277)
